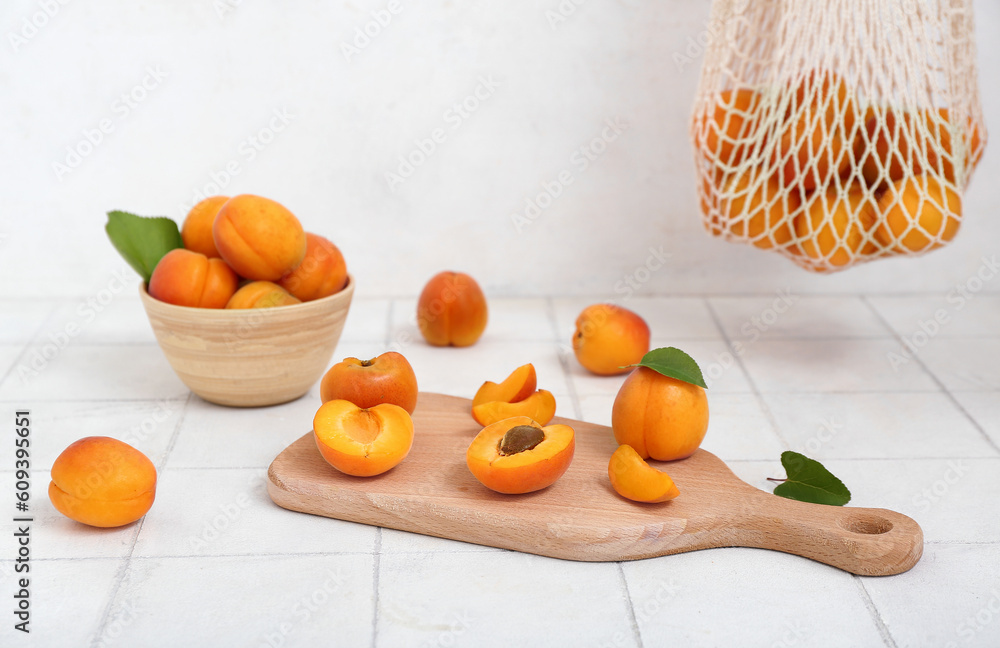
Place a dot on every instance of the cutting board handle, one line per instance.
(865, 541)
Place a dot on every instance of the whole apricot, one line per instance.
(819, 125)
(388, 378)
(834, 228)
(517, 455)
(659, 416)
(322, 272)
(187, 278)
(729, 132)
(102, 482)
(362, 441)
(894, 147)
(452, 310)
(258, 237)
(609, 337)
(196, 231)
(759, 210)
(261, 294)
(918, 213)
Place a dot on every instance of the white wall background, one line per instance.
(350, 120)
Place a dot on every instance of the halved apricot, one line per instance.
(518, 455)
(634, 479)
(516, 387)
(540, 406)
(362, 442)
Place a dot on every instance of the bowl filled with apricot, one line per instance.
(249, 310)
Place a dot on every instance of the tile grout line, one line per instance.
(876, 616)
(933, 376)
(377, 548)
(376, 569)
(417, 552)
(123, 569)
(574, 398)
(738, 358)
(633, 622)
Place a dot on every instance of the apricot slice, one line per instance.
(362, 442)
(102, 482)
(634, 479)
(540, 406)
(520, 384)
(518, 455)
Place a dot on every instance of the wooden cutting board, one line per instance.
(580, 517)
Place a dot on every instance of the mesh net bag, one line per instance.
(837, 132)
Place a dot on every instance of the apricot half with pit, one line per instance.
(362, 442)
(517, 455)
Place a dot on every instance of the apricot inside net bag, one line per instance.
(840, 131)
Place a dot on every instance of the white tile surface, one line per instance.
(280, 600)
(213, 436)
(120, 320)
(518, 320)
(791, 315)
(48, 372)
(461, 371)
(367, 320)
(984, 408)
(832, 365)
(949, 315)
(885, 426)
(681, 601)
(947, 497)
(394, 541)
(672, 318)
(965, 579)
(57, 536)
(8, 355)
(422, 603)
(898, 442)
(203, 512)
(966, 364)
(21, 319)
(86, 583)
(147, 426)
(738, 428)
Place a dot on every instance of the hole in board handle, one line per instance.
(866, 524)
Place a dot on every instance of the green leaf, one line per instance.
(142, 241)
(809, 481)
(674, 363)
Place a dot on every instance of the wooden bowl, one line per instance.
(250, 357)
